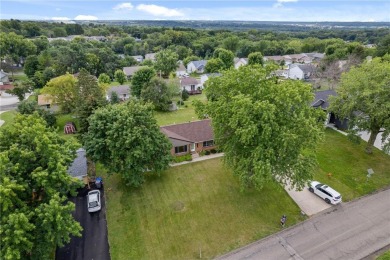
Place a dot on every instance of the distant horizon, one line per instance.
(245, 11)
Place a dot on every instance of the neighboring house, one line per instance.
(129, 71)
(276, 59)
(315, 56)
(192, 85)
(4, 88)
(238, 62)
(192, 137)
(205, 77)
(123, 92)
(138, 58)
(301, 71)
(321, 101)
(197, 66)
(45, 102)
(150, 56)
(181, 70)
(4, 80)
(281, 73)
(79, 169)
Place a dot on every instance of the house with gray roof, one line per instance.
(301, 71)
(78, 168)
(138, 58)
(191, 85)
(123, 92)
(197, 66)
(129, 71)
(150, 56)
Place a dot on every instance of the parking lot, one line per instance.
(93, 244)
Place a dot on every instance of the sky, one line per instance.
(254, 10)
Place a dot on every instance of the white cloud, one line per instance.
(286, 1)
(85, 17)
(123, 7)
(58, 9)
(159, 10)
(278, 5)
(60, 18)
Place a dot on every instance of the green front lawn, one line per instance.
(8, 117)
(385, 256)
(190, 210)
(348, 164)
(182, 115)
(198, 207)
(62, 119)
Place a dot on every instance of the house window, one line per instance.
(181, 149)
(192, 87)
(208, 143)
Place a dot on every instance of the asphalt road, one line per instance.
(94, 241)
(350, 231)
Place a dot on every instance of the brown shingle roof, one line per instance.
(188, 81)
(129, 71)
(197, 131)
(44, 100)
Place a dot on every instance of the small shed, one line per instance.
(70, 128)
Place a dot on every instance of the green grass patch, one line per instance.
(182, 115)
(182, 158)
(8, 117)
(385, 256)
(348, 164)
(190, 209)
(62, 119)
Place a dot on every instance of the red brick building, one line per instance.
(191, 137)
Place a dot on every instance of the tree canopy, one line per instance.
(255, 58)
(140, 79)
(127, 140)
(34, 184)
(364, 98)
(266, 127)
(166, 62)
(157, 92)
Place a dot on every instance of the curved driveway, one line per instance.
(350, 231)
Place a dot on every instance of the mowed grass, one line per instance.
(182, 115)
(348, 163)
(62, 119)
(191, 210)
(8, 117)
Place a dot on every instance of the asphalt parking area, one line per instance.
(93, 244)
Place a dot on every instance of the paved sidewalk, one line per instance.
(201, 158)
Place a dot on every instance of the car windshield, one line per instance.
(93, 204)
(325, 186)
(319, 185)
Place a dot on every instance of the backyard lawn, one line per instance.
(191, 210)
(182, 115)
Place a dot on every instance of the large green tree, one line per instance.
(266, 127)
(157, 92)
(140, 79)
(63, 91)
(120, 76)
(255, 58)
(226, 56)
(364, 98)
(34, 184)
(90, 96)
(166, 62)
(214, 65)
(127, 140)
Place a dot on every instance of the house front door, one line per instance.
(192, 147)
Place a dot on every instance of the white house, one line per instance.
(4, 80)
(197, 66)
(181, 70)
(205, 77)
(192, 85)
(300, 71)
(238, 62)
(123, 92)
(138, 58)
